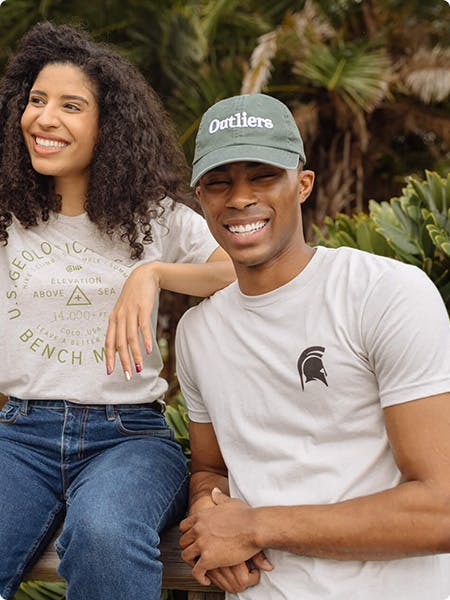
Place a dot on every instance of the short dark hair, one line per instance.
(136, 160)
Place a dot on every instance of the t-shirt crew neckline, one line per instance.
(70, 218)
(296, 284)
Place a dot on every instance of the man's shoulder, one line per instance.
(364, 265)
(345, 254)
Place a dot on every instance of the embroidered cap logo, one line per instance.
(239, 119)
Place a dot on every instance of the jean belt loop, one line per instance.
(24, 407)
(110, 412)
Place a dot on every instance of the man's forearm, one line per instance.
(201, 486)
(411, 519)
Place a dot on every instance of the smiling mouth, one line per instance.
(46, 143)
(248, 228)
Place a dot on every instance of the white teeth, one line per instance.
(49, 143)
(249, 228)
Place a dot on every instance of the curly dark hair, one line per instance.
(136, 161)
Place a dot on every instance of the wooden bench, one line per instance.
(176, 573)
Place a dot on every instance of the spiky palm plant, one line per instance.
(350, 84)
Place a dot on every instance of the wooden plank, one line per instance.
(176, 573)
(206, 595)
(45, 568)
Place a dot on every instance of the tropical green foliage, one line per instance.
(49, 590)
(177, 417)
(41, 590)
(369, 84)
(414, 228)
(369, 81)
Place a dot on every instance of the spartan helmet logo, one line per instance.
(310, 365)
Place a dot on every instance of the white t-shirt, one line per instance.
(59, 283)
(294, 382)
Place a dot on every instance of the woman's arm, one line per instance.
(131, 313)
(199, 279)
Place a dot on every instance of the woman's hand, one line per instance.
(130, 320)
(131, 314)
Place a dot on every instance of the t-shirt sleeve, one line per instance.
(188, 238)
(406, 331)
(186, 373)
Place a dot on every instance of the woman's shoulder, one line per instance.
(170, 209)
(175, 218)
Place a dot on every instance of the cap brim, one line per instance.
(244, 152)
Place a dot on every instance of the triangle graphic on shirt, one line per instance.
(78, 298)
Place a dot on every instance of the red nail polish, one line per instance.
(108, 370)
(138, 368)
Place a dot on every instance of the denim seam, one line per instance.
(31, 555)
(169, 506)
(63, 464)
(59, 549)
(84, 419)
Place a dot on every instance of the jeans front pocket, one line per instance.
(142, 421)
(9, 413)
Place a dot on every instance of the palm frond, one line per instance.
(258, 75)
(183, 45)
(312, 23)
(358, 75)
(292, 35)
(427, 74)
(212, 13)
(199, 90)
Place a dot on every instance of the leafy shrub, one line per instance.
(413, 228)
(177, 418)
(41, 590)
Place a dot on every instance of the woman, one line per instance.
(88, 163)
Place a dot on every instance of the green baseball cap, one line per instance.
(250, 127)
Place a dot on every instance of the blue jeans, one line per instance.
(116, 477)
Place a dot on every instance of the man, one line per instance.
(317, 388)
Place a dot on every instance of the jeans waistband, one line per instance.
(109, 409)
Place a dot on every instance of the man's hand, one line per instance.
(131, 316)
(233, 579)
(239, 577)
(219, 537)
